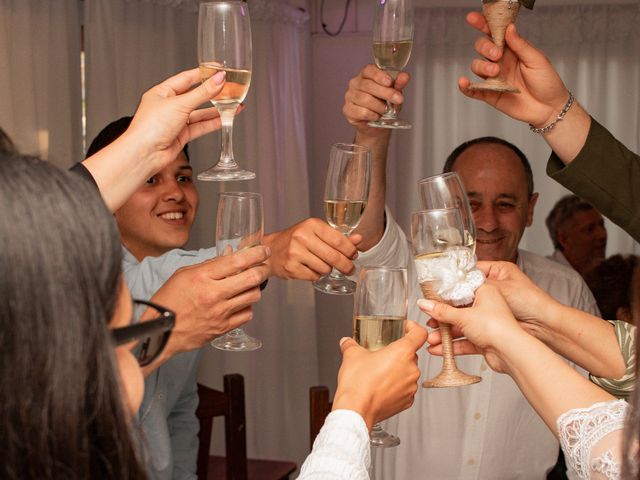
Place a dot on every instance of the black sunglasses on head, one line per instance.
(153, 335)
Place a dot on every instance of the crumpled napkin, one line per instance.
(452, 276)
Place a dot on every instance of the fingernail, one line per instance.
(426, 304)
(396, 98)
(267, 250)
(355, 255)
(388, 81)
(343, 339)
(494, 52)
(219, 77)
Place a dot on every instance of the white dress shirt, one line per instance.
(486, 431)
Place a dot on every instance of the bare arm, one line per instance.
(165, 121)
(543, 93)
(365, 101)
(550, 385)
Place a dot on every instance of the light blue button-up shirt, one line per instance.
(168, 412)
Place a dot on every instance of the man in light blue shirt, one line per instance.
(208, 295)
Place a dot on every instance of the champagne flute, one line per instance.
(439, 236)
(447, 191)
(224, 43)
(379, 314)
(239, 225)
(346, 193)
(392, 42)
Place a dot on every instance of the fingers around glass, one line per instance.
(239, 225)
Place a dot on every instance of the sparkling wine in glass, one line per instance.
(439, 242)
(346, 193)
(379, 314)
(446, 190)
(224, 43)
(239, 225)
(392, 42)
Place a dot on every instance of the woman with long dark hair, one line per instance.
(62, 409)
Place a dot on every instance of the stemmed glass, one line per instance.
(439, 238)
(392, 42)
(346, 192)
(446, 190)
(239, 225)
(224, 43)
(379, 314)
(498, 14)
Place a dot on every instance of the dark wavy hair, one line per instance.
(62, 414)
(611, 284)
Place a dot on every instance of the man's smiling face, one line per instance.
(496, 184)
(159, 215)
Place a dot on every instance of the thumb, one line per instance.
(415, 335)
(205, 91)
(440, 311)
(525, 52)
(346, 344)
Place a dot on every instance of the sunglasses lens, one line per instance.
(150, 347)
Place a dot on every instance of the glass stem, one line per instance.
(448, 360)
(334, 272)
(227, 114)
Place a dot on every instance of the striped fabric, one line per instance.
(623, 386)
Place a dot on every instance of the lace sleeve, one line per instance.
(591, 439)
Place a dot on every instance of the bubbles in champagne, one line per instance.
(344, 215)
(236, 84)
(374, 332)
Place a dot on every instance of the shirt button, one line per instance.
(477, 415)
(471, 461)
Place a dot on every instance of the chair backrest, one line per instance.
(229, 404)
(319, 408)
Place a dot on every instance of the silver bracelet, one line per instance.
(551, 126)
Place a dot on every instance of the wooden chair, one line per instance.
(235, 466)
(319, 408)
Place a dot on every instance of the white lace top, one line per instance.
(591, 439)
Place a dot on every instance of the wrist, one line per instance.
(557, 114)
(356, 402)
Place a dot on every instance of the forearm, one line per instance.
(371, 226)
(119, 170)
(550, 385)
(570, 134)
(584, 339)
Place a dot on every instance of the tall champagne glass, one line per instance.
(379, 314)
(239, 225)
(392, 42)
(224, 43)
(447, 191)
(346, 192)
(440, 236)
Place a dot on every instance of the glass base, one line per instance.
(390, 123)
(236, 341)
(335, 285)
(380, 438)
(218, 174)
(451, 378)
(494, 85)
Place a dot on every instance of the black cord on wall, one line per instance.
(344, 19)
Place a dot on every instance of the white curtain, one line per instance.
(40, 99)
(132, 45)
(595, 48)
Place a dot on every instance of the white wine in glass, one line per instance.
(239, 225)
(379, 315)
(392, 43)
(446, 190)
(346, 191)
(224, 43)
